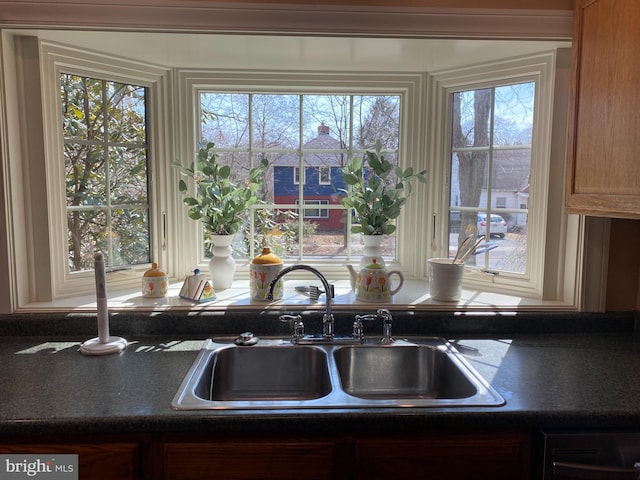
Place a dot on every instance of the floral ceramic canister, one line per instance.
(264, 268)
(155, 282)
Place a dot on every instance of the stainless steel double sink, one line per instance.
(275, 374)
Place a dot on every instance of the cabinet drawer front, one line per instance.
(249, 460)
(99, 461)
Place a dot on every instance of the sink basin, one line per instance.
(407, 371)
(274, 374)
(264, 373)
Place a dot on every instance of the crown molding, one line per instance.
(289, 19)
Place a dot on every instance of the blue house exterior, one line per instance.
(322, 181)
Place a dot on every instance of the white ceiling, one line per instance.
(294, 52)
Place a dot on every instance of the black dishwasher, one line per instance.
(590, 455)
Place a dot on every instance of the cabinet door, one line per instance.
(246, 460)
(603, 163)
(452, 457)
(96, 461)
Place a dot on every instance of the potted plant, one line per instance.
(377, 191)
(221, 203)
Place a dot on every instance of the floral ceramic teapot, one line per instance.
(373, 282)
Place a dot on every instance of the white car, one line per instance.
(497, 228)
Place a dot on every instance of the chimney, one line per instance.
(323, 129)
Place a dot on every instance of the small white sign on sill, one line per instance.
(197, 288)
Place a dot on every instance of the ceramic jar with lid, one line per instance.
(263, 269)
(155, 282)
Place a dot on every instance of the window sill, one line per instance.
(414, 296)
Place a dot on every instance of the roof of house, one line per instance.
(511, 169)
(324, 141)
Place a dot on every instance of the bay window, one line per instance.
(483, 133)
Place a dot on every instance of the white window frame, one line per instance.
(51, 240)
(320, 207)
(550, 229)
(409, 85)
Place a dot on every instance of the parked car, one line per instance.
(498, 227)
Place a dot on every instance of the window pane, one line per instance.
(279, 229)
(85, 175)
(376, 118)
(322, 242)
(127, 120)
(128, 175)
(320, 112)
(81, 100)
(471, 114)
(276, 121)
(123, 238)
(129, 237)
(514, 114)
(490, 169)
(224, 119)
(86, 236)
(105, 155)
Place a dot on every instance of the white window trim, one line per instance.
(545, 209)
(320, 205)
(409, 85)
(50, 242)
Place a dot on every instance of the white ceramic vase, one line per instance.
(372, 249)
(222, 266)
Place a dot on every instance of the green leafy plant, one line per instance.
(221, 202)
(377, 191)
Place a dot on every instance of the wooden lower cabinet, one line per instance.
(248, 456)
(496, 456)
(277, 459)
(97, 460)
(504, 455)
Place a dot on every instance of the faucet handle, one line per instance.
(381, 314)
(358, 327)
(298, 326)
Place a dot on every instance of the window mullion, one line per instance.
(107, 176)
(301, 179)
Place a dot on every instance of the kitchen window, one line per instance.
(99, 170)
(307, 127)
(310, 137)
(105, 155)
(498, 140)
(186, 106)
(491, 142)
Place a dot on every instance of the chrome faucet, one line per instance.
(328, 321)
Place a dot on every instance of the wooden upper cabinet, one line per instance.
(603, 163)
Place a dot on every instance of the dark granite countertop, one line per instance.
(549, 379)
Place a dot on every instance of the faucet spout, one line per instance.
(327, 319)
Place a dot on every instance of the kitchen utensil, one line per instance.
(471, 249)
